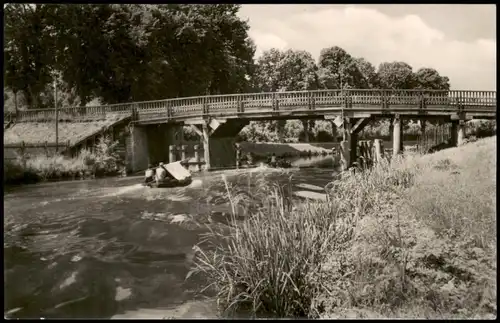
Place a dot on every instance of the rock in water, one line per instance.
(310, 187)
(311, 195)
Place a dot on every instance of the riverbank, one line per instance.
(41, 168)
(265, 149)
(415, 239)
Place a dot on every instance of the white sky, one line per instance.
(457, 40)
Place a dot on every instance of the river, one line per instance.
(110, 248)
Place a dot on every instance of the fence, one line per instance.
(439, 135)
(12, 151)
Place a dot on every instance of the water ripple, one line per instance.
(98, 248)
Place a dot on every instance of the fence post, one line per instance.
(46, 149)
(197, 157)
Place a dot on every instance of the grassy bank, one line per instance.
(414, 239)
(103, 161)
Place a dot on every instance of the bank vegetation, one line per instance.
(411, 238)
(99, 162)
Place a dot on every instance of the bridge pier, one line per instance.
(397, 135)
(461, 133)
(349, 146)
(305, 124)
(149, 145)
(137, 149)
(334, 131)
(422, 127)
(280, 129)
(219, 138)
(457, 132)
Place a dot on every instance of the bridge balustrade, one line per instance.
(277, 101)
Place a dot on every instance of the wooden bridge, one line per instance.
(475, 104)
(219, 118)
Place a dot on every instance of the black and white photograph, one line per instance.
(249, 161)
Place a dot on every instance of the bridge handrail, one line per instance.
(198, 105)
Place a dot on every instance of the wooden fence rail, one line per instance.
(22, 148)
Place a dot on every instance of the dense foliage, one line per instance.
(125, 52)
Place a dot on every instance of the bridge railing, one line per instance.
(277, 101)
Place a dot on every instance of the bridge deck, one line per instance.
(287, 104)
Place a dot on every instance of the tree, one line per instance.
(201, 49)
(396, 76)
(285, 71)
(297, 71)
(338, 69)
(267, 72)
(27, 61)
(429, 79)
(367, 70)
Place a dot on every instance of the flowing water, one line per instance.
(111, 248)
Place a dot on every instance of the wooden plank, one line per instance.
(194, 121)
(197, 130)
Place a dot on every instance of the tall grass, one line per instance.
(26, 169)
(413, 237)
(269, 262)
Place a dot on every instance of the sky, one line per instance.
(459, 41)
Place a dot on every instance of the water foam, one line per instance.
(125, 190)
(195, 183)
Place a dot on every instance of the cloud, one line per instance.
(265, 41)
(377, 37)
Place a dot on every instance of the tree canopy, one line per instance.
(125, 52)
(132, 52)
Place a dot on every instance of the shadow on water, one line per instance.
(95, 249)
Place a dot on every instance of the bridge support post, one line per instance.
(334, 131)
(345, 155)
(171, 153)
(206, 145)
(460, 133)
(454, 133)
(353, 155)
(305, 124)
(280, 129)
(183, 152)
(197, 157)
(396, 136)
(401, 142)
